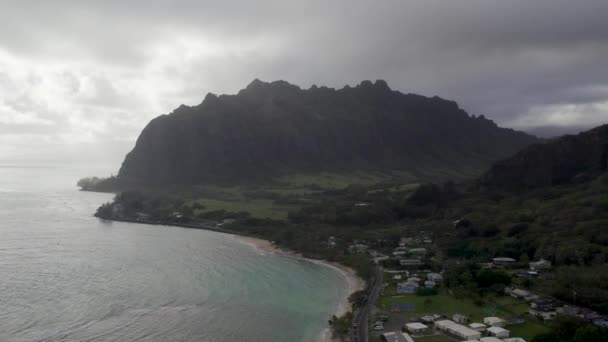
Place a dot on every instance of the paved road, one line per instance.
(359, 331)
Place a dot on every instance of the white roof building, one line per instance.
(498, 332)
(416, 327)
(397, 336)
(490, 339)
(478, 326)
(494, 321)
(436, 277)
(457, 330)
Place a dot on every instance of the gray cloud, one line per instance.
(92, 73)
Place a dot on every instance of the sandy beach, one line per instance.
(354, 283)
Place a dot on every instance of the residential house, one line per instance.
(436, 277)
(429, 284)
(417, 328)
(545, 308)
(397, 336)
(602, 323)
(458, 318)
(542, 264)
(430, 318)
(407, 288)
(358, 248)
(519, 293)
(460, 331)
(417, 251)
(490, 339)
(503, 262)
(478, 327)
(498, 332)
(331, 242)
(494, 321)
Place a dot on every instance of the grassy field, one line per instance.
(448, 305)
(328, 181)
(240, 198)
(260, 208)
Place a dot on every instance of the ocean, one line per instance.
(68, 276)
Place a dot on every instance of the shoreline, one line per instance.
(354, 283)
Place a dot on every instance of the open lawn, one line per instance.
(260, 202)
(328, 181)
(260, 208)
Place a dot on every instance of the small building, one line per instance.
(430, 318)
(407, 288)
(457, 330)
(414, 279)
(490, 339)
(542, 264)
(417, 328)
(458, 318)
(514, 339)
(397, 277)
(503, 262)
(417, 251)
(543, 313)
(494, 321)
(436, 277)
(358, 248)
(519, 294)
(544, 308)
(429, 284)
(478, 327)
(331, 242)
(498, 332)
(397, 336)
(602, 323)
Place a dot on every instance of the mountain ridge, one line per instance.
(568, 159)
(272, 128)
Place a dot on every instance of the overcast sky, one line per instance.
(80, 79)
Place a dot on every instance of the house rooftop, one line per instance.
(397, 336)
(416, 326)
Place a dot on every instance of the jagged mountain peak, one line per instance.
(273, 128)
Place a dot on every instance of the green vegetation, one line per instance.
(572, 330)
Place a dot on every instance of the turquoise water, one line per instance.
(67, 276)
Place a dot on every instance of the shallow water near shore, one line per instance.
(67, 276)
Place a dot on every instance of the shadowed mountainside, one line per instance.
(271, 129)
(568, 159)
